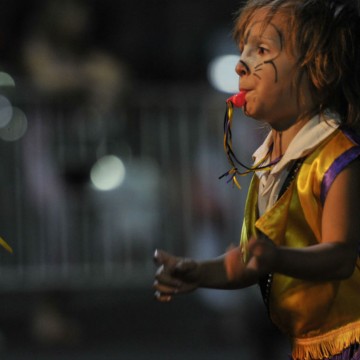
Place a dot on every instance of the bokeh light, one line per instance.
(108, 173)
(6, 111)
(16, 127)
(221, 73)
(6, 79)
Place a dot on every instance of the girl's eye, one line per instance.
(262, 50)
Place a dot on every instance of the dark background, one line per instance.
(160, 40)
(159, 45)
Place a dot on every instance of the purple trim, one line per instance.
(336, 167)
(351, 134)
(350, 353)
(356, 356)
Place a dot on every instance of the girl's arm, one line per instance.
(332, 259)
(177, 275)
(335, 257)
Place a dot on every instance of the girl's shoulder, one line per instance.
(329, 159)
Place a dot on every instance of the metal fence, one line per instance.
(66, 233)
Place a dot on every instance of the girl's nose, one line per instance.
(242, 68)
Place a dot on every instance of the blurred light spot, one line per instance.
(107, 173)
(6, 111)
(221, 73)
(6, 79)
(16, 128)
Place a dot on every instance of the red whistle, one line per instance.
(238, 100)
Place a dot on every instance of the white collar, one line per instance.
(309, 136)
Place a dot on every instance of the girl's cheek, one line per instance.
(251, 61)
(250, 105)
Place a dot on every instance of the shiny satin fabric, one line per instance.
(322, 318)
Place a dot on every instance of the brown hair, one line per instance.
(325, 34)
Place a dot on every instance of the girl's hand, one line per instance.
(263, 255)
(174, 275)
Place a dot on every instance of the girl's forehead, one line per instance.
(262, 21)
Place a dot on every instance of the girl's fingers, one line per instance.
(161, 257)
(174, 275)
(165, 278)
(165, 289)
(162, 297)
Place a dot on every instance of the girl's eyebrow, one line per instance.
(278, 31)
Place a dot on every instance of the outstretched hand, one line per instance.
(175, 275)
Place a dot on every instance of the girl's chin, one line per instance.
(251, 113)
(257, 115)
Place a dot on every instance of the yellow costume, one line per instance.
(322, 318)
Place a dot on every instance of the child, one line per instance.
(300, 72)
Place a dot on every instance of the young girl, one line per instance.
(300, 73)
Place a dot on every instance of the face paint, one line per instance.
(266, 70)
(271, 62)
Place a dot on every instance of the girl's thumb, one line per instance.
(162, 258)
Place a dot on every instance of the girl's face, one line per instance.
(267, 69)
